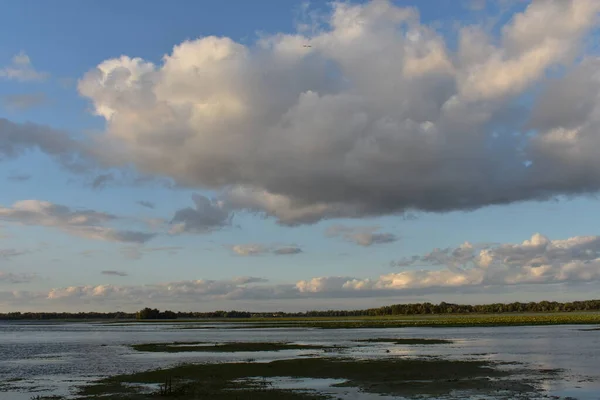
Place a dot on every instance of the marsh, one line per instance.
(61, 358)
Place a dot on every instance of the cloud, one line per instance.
(469, 268)
(379, 116)
(16, 139)
(206, 215)
(196, 289)
(249, 249)
(287, 250)
(101, 180)
(259, 249)
(144, 203)
(12, 278)
(10, 253)
(21, 102)
(137, 252)
(361, 235)
(114, 273)
(83, 223)
(21, 69)
(16, 177)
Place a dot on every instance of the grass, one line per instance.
(391, 321)
(395, 376)
(406, 341)
(434, 321)
(178, 347)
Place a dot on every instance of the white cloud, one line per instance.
(84, 223)
(377, 116)
(361, 235)
(21, 69)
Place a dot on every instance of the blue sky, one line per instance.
(296, 155)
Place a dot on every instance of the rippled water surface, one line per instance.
(53, 358)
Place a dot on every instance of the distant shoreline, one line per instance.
(413, 310)
(425, 321)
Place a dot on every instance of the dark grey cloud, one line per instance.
(144, 203)
(10, 253)
(101, 180)
(16, 177)
(206, 216)
(25, 101)
(137, 252)
(16, 278)
(16, 139)
(85, 223)
(287, 250)
(114, 273)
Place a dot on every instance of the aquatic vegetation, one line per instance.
(179, 347)
(407, 341)
(397, 376)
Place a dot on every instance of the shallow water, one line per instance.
(53, 358)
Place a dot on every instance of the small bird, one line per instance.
(307, 45)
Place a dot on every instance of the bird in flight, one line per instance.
(307, 45)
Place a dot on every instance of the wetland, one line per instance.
(196, 360)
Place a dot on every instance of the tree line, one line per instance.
(396, 309)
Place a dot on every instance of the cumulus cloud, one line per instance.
(20, 102)
(378, 116)
(114, 273)
(21, 69)
(206, 215)
(361, 235)
(260, 249)
(83, 223)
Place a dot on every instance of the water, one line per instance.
(53, 358)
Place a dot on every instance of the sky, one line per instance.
(293, 156)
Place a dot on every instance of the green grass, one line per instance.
(462, 320)
(406, 341)
(178, 347)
